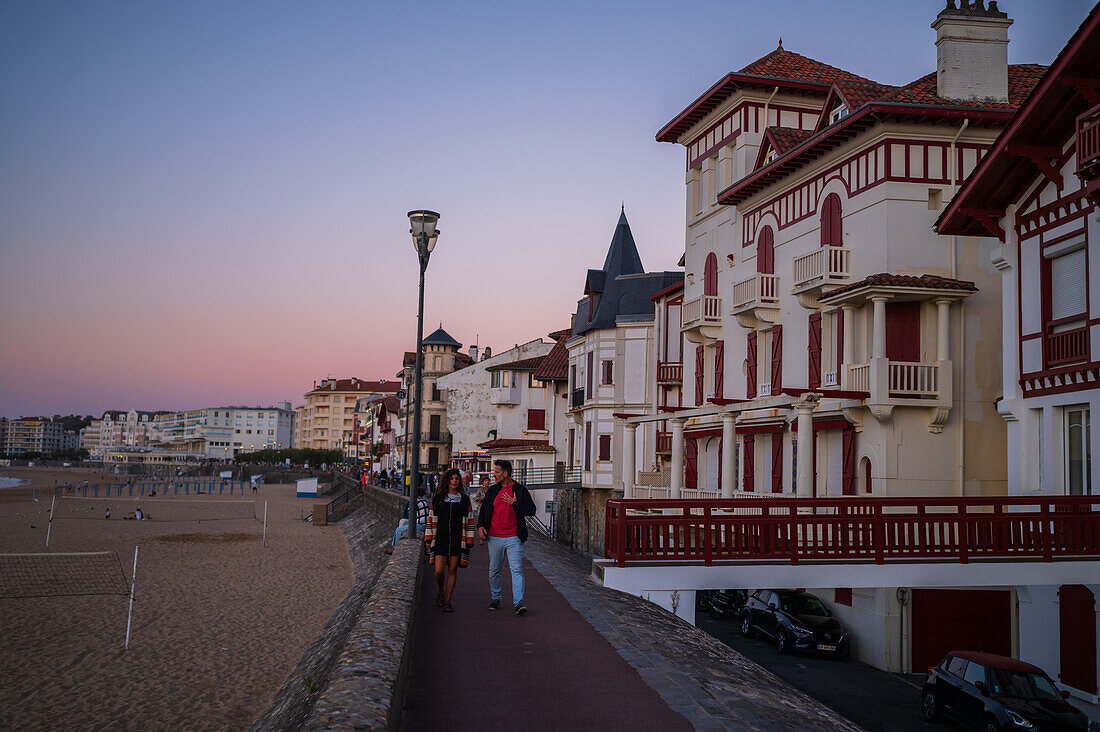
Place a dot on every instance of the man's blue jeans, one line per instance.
(498, 547)
(402, 530)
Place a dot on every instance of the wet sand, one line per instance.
(219, 620)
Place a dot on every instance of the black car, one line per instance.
(991, 693)
(795, 621)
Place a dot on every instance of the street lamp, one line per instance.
(424, 234)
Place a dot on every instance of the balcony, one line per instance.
(1067, 346)
(576, 400)
(906, 384)
(701, 319)
(670, 372)
(664, 443)
(437, 437)
(813, 272)
(1088, 152)
(504, 395)
(756, 300)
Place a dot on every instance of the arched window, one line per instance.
(832, 228)
(710, 275)
(765, 252)
(865, 475)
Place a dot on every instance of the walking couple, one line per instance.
(501, 521)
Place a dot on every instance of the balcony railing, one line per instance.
(442, 437)
(1067, 346)
(664, 442)
(859, 377)
(670, 372)
(853, 529)
(830, 378)
(827, 264)
(558, 474)
(703, 311)
(504, 395)
(576, 400)
(1088, 141)
(914, 379)
(760, 290)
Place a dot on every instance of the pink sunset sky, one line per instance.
(204, 203)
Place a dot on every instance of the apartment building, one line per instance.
(33, 435)
(1037, 192)
(223, 432)
(327, 420)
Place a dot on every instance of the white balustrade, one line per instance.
(859, 377)
(826, 264)
(914, 379)
(759, 290)
(830, 378)
(705, 309)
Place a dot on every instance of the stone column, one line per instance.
(630, 434)
(729, 454)
(943, 307)
(878, 341)
(677, 456)
(805, 406)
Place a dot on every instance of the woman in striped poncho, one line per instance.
(449, 535)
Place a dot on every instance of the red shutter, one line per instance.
(605, 447)
(749, 474)
(691, 464)
(777, 462)
(1077, 637)
(750, 357)
(698, 375)
(832, 227)
(848, 462)
(765, 252)
(710, 275)
(814, 375)
(588, 377)
(777, 358)
(587, 445)
(839, 320)
(536, 419)
(903, 331)
(719, 367)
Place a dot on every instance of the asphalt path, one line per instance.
(549, 669)
(874, 699)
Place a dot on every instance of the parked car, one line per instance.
(726, 604)
(795, 621)
(991, 693)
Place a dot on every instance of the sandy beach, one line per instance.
(219, 620)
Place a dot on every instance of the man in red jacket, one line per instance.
(503, 522)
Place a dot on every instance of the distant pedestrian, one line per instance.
(503, 523)
(449, 536)
(422, 509)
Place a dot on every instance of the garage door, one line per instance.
(959, 620)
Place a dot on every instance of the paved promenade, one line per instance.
(583, 657)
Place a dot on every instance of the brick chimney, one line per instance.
(972, 51)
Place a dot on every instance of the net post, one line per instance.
(130, 613)
(265, 523)
(49, 524)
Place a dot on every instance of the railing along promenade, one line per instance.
(852, 528)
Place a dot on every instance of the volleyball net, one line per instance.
(154, 510)
(61, 575)
(203, 485)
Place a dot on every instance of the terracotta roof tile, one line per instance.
(358, 385)
(559, 334)
(523, 364)
(555, 364)
(787, 137)
(1022, 78)
(858, 93)
(784, 64)
(885, 279)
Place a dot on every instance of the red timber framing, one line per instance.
(852, 528)
(719, 368)
(898, 160)
(777, 462)
(745, 117)
(813, 375)
(750, 365)
(848, 461)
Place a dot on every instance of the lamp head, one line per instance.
(422, 223)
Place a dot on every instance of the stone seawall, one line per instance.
(317, 683)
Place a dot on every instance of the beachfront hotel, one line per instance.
(328, 421)
(32, 434)
(223, 432)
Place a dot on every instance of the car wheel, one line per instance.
(746, 626)
(928, 706)
(782, 645)
(991, 726)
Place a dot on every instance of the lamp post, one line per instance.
(424, 236)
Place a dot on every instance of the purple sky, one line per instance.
(204, 203)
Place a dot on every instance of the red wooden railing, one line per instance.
(1067, 346)
(854, 528)
(670, 372)
(664, 441)
(1088, 139)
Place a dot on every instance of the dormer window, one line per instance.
(839, 112)
(772, 155)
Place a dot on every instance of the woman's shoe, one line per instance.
(439, 599)
(448, 608)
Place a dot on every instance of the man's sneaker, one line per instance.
(494, 605)
(521, 609)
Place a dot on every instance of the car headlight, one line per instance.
(801, 632)
(1019, 721)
